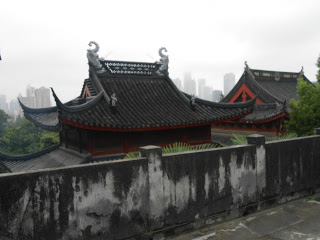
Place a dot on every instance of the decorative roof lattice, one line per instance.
(129, 68)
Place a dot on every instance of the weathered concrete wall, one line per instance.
(155, 195)
(107, 200)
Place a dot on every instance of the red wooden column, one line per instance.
(126, 143)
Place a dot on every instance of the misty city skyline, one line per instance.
(206, 38)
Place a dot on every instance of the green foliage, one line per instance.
(282, 137)
(242, 139)
(132, 155)
(26, 139)
(318, 74)
(184, 147)
(3, 122)
(177, 147)
(48, 139)
(239, 139)
(19, 121)
(305, 114)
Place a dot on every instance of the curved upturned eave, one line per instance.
(50, 128)
(25, 157)
(30, 114)
(269, 118)
(81, 107)
(36, 110)
(265, 119)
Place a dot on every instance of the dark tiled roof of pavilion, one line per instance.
(52, 157)
(46, 118)
(144, 100)
(271, 86)
(264, 112)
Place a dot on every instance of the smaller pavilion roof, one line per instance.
(51, 157)
(271, 86)
(265, 112)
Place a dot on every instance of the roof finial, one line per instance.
(93, 57)
(193, 101)
(246, 64)
(164, 61)
(113, 102)
(301, 73)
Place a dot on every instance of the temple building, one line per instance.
(123, 106)
(273, 91)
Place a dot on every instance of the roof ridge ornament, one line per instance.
(301, 73)
(164, 61)
(113, 102)
(93, 57)
(193, 101)
(248, 70)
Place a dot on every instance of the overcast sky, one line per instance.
(44, 43)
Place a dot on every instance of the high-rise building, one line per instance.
(216, 94)
(189, 85)
(14, 107)
(207, 93)
(36, 98)
(229, 82)
(3, 103)
(177, 82)
(42, 97)
(201, 86)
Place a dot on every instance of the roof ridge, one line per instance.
(28, 156)
(228, 105)
(271, 71)
(97, 83)
(261, 89)
(129, 62)
(179, 92)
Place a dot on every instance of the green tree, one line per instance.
(305, 114)
(26, 139)
(318, 74)
(3, 122)
(48, 139)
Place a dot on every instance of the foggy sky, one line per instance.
(44, 43)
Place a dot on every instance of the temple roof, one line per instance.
(51, 157)
(46, 118)
(271, 86)
(145, 100)
(265, 112)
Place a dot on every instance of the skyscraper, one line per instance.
(14, 107)
(207, 93)
(229, 82)
(42, 97)
(177, 82)
(216, 95)
(201, 86)
(189, 85)
(36, 97)
(3, 103)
